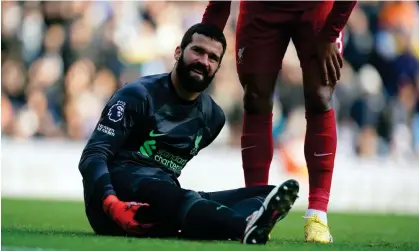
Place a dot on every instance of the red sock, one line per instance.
(257, 148)
(319, 150)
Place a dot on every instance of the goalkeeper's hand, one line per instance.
(123, 213)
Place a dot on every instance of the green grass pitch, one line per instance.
(29, 225)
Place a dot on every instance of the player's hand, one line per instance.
(123, 213)
(330, 61)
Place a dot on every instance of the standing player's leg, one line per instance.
(321, 138)
(260, 48)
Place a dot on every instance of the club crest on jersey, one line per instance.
(198, 139)
(116, 112)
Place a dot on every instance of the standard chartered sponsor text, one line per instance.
(170, 160)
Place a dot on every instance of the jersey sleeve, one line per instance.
(121, 113)
(219, 122)
(217, 13)
(337, 19)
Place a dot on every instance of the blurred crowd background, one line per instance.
(61, 61)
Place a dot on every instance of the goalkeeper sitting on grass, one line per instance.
(148, 131)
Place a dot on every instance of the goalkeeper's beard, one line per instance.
(190, 82)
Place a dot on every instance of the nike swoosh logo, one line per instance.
(322, 154)
(219, 207)
(152, 134)
(248, 147)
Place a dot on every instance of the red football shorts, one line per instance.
(263, 35)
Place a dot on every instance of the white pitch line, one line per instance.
(15, 248)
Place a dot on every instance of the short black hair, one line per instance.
(208, 30)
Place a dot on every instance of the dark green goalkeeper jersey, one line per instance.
(146, 125)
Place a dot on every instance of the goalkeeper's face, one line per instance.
(198, 63)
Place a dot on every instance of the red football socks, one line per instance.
(257, 148)
(319, 150)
